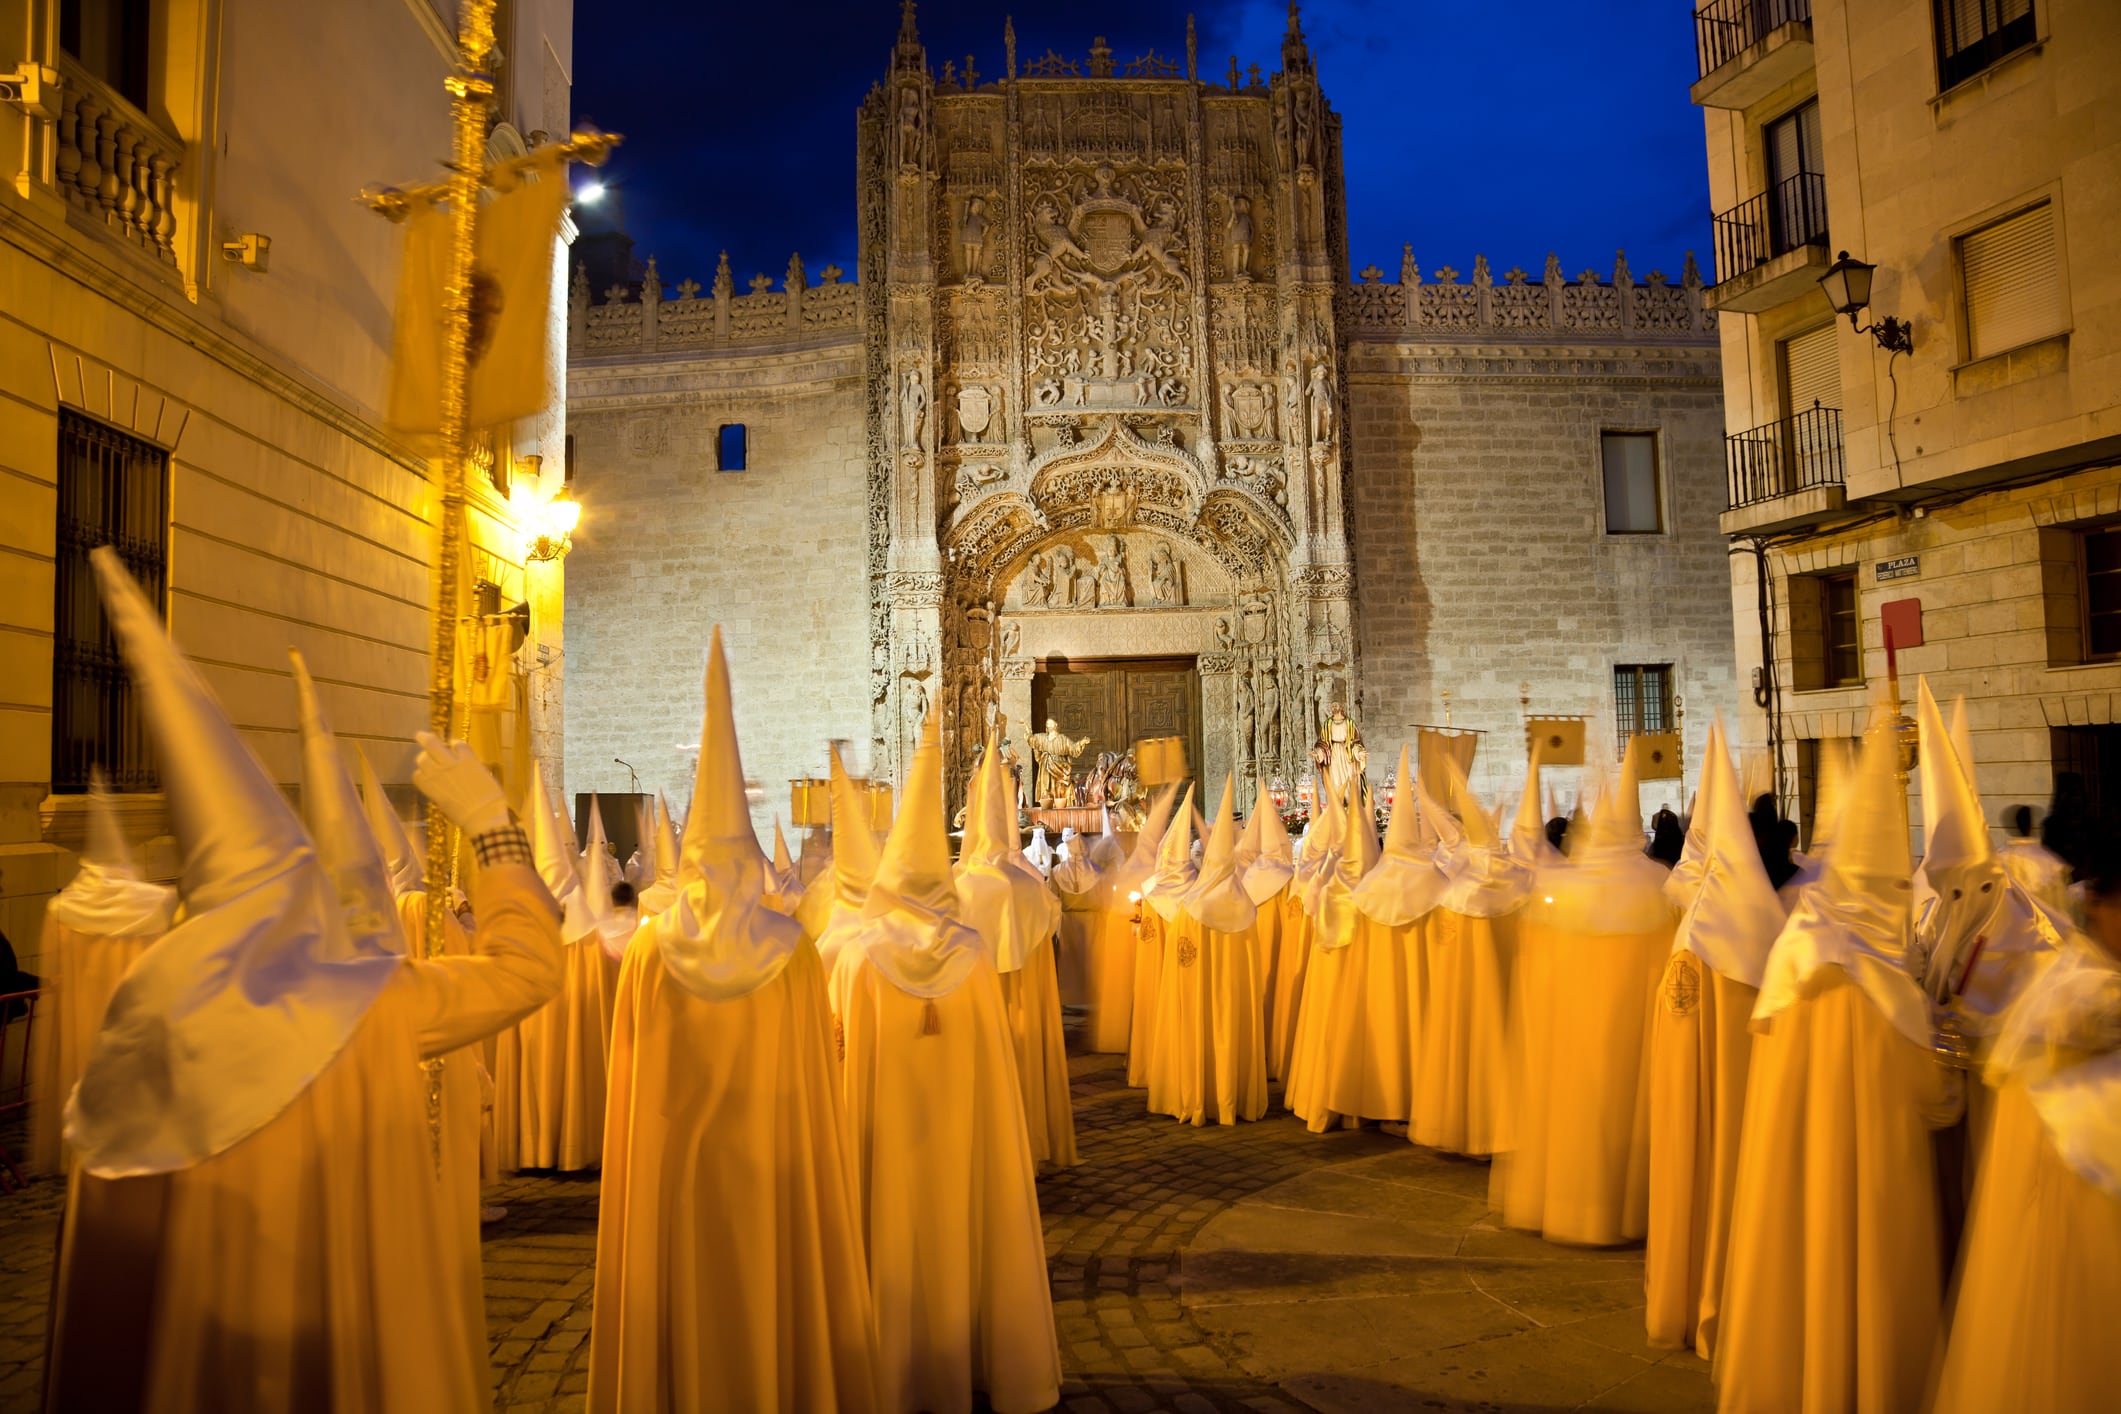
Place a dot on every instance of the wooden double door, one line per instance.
(1116, 702)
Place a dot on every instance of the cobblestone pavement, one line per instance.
(1299, 1289)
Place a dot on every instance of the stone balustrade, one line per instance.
(116, 165)
(1519, 306)
(719, 318)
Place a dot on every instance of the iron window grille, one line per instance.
(113, 490)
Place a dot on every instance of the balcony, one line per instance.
(1785, 474)
(1771, 249)
(115, 166)
(1746, 49)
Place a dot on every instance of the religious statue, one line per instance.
(1053, 752)
(1164, 587)
(1063, 576)
(916, 705)
(1339, 755)
(1247, 719)
(913, 411)
(1038, 583)
(972, 238)
(1112, 588)
(1321, 405)
(1269, 717)
(1012, 638)
(1222, 632)
(909, 130)
(1239, 238)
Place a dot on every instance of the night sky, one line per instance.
(1508, 130)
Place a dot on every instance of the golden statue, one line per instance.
(1338, 754)
(1053, 751)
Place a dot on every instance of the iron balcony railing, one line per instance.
(1724, 29)
(1783, 457)
(1786, 217)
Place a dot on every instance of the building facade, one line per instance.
(195, 336)
(1104, 430)
(1961, 492)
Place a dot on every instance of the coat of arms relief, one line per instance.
(1105, 291)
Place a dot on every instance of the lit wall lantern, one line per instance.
(1847, 283)
(548, 522)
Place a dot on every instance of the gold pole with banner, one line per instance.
(470, 87)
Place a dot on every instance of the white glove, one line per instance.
(450, 775)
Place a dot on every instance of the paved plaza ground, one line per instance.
(1252, 1268)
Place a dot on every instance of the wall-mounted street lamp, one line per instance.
(1847, 283)
(548, 522)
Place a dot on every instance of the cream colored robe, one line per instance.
(82, 971)
(729, 1252)
(1208, 1059)
(957, 1255)
(304, 1268)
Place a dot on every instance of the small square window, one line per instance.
(2100, 555)
(1633, 503)
(730, 447)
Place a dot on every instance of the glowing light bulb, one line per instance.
(589, 193)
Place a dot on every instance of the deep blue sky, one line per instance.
(1541, 125)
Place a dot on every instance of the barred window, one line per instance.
(113, 490)
(1642, 699)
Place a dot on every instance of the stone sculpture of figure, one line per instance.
(1063, 577)
(1053, 752)
(1321, 405)
(1269, 717)
(909, 129)
(916, 706)
(1060, 253)
(1083, 579)
(1247, 720)
(1112, 587)
(913, 411)
(1038, 583)
(1339, 754)
(1012, 639)
(1156, 242)
(1163, 576)
(972, 237)
(1239, 238)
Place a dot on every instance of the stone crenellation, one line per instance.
(1653, 308)
(716, 317)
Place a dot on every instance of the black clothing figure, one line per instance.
(1667, 840)
(1558, 834)
(622, 895)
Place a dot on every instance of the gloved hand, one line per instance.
(450, 775)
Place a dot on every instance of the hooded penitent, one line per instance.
(1856, 917)
(1105, 851)
(1323, 840)
(93, 930)
(1175, 872)
(1218, 899)
(1405, 884)
(1133, 875)
(399, 857)
(614, 925)
(1000, 896)
(1273, 861)
(1982, 934)
(1734, 915)
(854, 859)
(911, 933)
(345, 847)
(720, 940)
(107, 897)
(221, 1025)
(784, 879)
(1611, 886)
(664, 891)
(1358, 853)
(558, 861)
(1482, 877)
(1040, 851)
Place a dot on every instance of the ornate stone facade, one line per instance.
(1117, 390)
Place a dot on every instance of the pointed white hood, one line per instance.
(556, 860)
(1218, 899)
(1074, 877)
(832, 906)
(911, 933)
(1856, 917)
(1133, 875)
(615, 926)
(999, 894)
(1359, 854)
(222, 1024)
(785, 879)
(345, 846)
(664, 891)
(1484, 878)
(1609, 885)
(1734, 916)
(1105, 850)
(1684, 881)
(1405, 883)
(1528, 832)
(721, 940)
(1040, 851)
(107, 898)
(1273, 861)
(1166, 890)
(407, 874)
(1324, 836)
